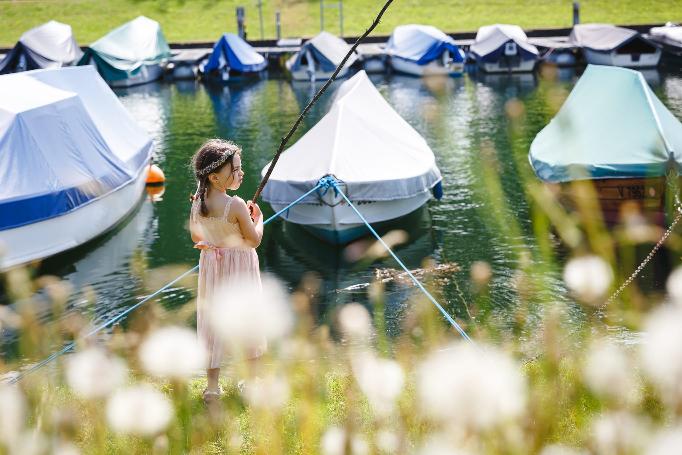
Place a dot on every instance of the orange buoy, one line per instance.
(155, 192)
(155, 175)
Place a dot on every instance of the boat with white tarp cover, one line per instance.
(605, 44)
(382, 164)
(72, 162)
(132, 54)
(669, 37)
(50, 45)
(503, 48)
(319, 57)
(424, 50)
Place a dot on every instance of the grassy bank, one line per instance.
(205, 20)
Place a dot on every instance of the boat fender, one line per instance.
(437, 190)
(155, 175)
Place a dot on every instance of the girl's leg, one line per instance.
(213, 374)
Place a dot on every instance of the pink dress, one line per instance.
(225, 258)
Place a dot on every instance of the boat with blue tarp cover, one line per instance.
(72, 162)
(423, 50)
(503, 48)
(380, 162)
(232, 56)
(132, 54)
(614, 131)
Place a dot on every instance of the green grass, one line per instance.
(205, 20)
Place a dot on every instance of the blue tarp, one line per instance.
(65, 140)
(421, 44)
(235, 53)
(611, 126)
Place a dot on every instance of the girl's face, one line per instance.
(229, 177)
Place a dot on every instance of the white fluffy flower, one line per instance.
(619, 432)
(270, 392)
(661, 351)
(12, 413)
(608, 371)
(381, 380)
(674, 285)
(31, 442)
(666, 442)
(92, 373)
(588, 277)
(334, 443)
(355, 322)
(387, 441)
(438, 444)
(139, 410)
(172, 352)
(245, 317)
(471, 385)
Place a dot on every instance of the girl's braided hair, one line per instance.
(210, 158)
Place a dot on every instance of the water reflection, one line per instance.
(460, 118)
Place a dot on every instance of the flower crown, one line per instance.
(216, 164)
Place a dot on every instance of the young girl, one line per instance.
(223, 228)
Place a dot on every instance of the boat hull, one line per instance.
(339, 224)
(646, 195)
(46, 238)
(147, 73)
(613, 58)
(305, 75)
(433, 68)
(507, 66)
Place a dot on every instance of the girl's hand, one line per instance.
(254, 210)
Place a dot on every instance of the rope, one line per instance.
(332, 182)
(129, 310)
(671, 181)
(293, 129)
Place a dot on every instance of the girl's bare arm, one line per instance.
(252, 230)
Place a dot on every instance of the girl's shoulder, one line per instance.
(234, 206)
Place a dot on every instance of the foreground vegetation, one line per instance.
(566, 374)
(186, 21)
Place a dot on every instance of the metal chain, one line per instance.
(648, 258)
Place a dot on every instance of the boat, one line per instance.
(319, 57)
(423, 50)
(382, 164)
(503, 48)
(50, 45)
(232, 57)
(669, 37)
(604, 44)
(132, 54)
(72, 162)
(612, 130)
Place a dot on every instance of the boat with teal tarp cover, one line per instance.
(613, 130)
(131, 54)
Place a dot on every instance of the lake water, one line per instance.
(458, 117)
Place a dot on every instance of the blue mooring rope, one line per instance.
(330, 182)
(326, 182)
(129, 310)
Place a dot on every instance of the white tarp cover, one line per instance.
(363, 142)
(53, 41)
(611, 126)
(65, 140)
(600, 37)
(333, 48)
(490, 37)
(414, 42)
(670, 34)
(132, 44)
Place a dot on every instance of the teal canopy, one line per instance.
(611, 126)
(122, 52)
